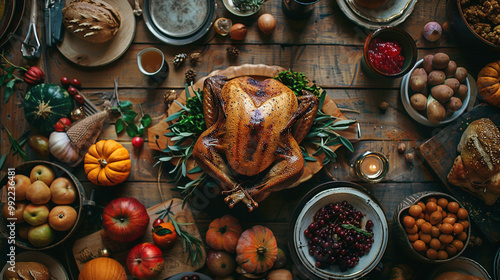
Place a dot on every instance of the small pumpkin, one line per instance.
(107, 163)
(256, 250)
(223, 233)
(102, 269)
(488, 83)
(45, 104)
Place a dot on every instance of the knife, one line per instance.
(48, 27)
(56, 21)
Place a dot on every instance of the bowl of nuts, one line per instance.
(431, 227)
(339, 232)
(436, 91)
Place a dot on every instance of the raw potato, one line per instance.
(461, 74)
(449, 71)
(418, 83)
(428, 63)
(453, 83)
(436, 77)
(442, 93)
(440, 61)
(462, 92)
(454, 104)
(435, 111)
(418, 101)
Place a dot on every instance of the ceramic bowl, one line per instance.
(420, 116)
(237, 12)
(55, 267)
(60, 236)
(408, 51)
(325, 194)
(462, 265)
(401, 237)
(462, 30)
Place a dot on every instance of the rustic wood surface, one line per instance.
(327, 48)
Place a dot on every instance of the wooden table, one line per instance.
(326, 47)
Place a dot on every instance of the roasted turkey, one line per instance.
(251, 145)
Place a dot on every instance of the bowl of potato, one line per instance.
(436, 91)
(43, 207)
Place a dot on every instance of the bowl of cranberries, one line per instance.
(339, 231)
(388, 52)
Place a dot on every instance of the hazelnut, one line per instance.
(401, 148)
(409, 157)
(383, 106)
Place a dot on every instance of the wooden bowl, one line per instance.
(401, 236)
(60, 236)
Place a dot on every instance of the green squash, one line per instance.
(45, 104)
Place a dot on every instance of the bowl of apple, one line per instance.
(43, 205)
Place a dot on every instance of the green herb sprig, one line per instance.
(362, 231)
(15, 146)
(248, 5)
(297, 82)
(190, 243)
(8, 78)
(127, 121)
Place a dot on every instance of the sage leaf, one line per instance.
(146, 120)
(131, 132)
(126, 105)
(129, 116)
(119, 126)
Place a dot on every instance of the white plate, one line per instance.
(378, 14)
(55, 267)
(418, 117)
(361, 202)
(387, 12)
(462, 265)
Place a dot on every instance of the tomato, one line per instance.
(39, 144)
(65, 82)
(157, 222)
(34, 75)
(76, 83)
(72, 91)
(79, 99)
(62, 125)
(137, 142)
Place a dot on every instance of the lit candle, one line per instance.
(371, 167)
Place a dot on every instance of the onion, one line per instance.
(266, 23)
(432, 31)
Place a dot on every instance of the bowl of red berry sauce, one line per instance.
(388, 52)
(339, 232)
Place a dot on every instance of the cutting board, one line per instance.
(441, 150)
(175, 258)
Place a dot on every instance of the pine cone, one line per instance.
(233, 51)
(195, 57)
(190, 75)
(179, 59)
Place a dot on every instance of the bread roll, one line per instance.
(27, 271)
(91, 20)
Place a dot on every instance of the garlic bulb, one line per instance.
(61, 147)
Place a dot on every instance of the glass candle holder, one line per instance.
(371, 167)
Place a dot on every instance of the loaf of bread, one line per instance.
(27, 271)
(477, 168)
(91, 20)
(452, 275)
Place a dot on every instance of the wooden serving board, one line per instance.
(175, 258)
(440, 152)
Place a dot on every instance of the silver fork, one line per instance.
(88, 107)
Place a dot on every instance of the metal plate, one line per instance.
(6, 14)
(15, 21)
(386, 13)
(168, 34)
(179, 18)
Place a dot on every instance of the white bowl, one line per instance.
(333, 192)
(417, 115)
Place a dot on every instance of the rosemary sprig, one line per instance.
(349, 226)
(190, 244)
(15, 146)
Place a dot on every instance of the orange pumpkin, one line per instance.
(488, 83)
(102, 269)
(107, 163)
(223, 233)
(256, 250)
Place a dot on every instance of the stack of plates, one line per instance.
(11, 13)
(392, 13)
(179, 22)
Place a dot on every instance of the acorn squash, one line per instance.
(45, 104)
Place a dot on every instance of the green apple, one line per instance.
(41, 236)
(36, 214)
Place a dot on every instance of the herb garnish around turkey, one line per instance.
(323, 133)
(184, 133)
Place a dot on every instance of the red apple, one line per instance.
(145, 261)
(220, 263)
(63, 191)
(125, 219)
